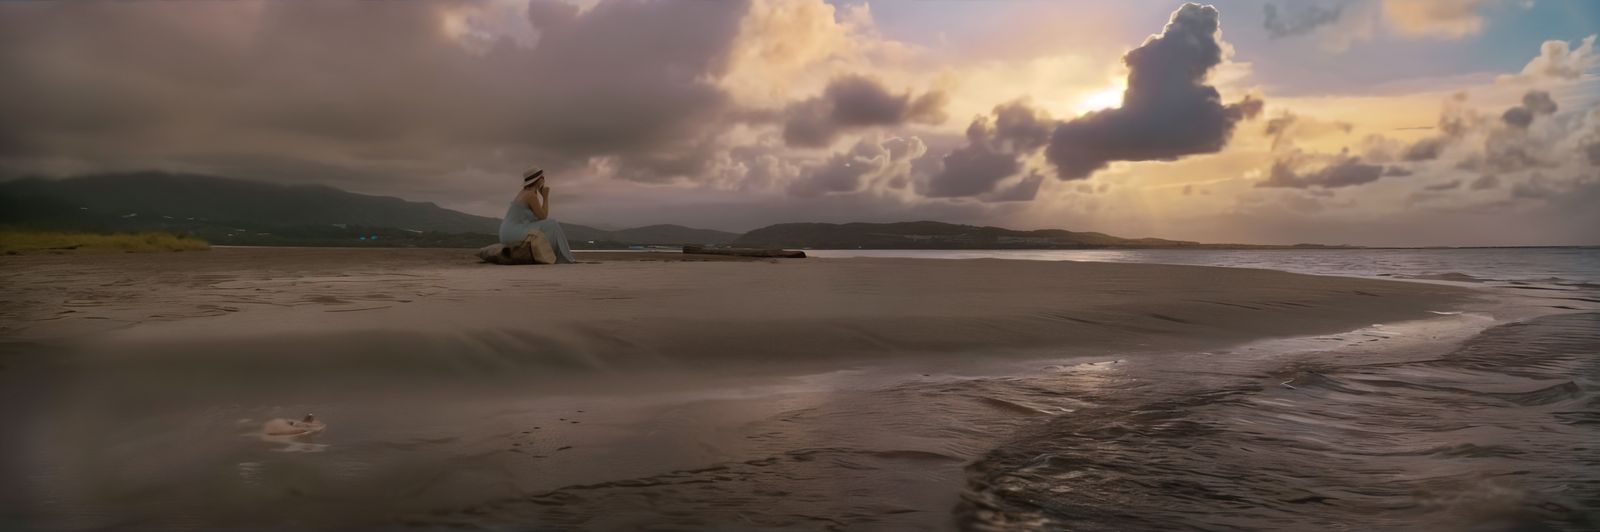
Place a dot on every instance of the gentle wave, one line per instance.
(1498, 435)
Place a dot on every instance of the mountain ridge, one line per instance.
(236, 211)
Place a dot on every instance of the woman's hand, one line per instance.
(544, 190)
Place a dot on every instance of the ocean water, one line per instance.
(1468, 421)
(1499, 434)
(1574, 267)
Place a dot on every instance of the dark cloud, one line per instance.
(1278, 125)
(1166, 88)
(1517, 117)
(1485, 182)
(842, 173)
(1447, 185)
(993, 152)
(1380, 149)
(1426, 149)
(1508, 151)
(1298, 18)
(379, 88)
(1512, 148)
(1534, 188)
(973, 169)
(1019, 128)
(1288, 126)
(1396, 171)
(546, 14)
(1343, 171)
(1592, 150)
(853, 102)
(1424, 196)
(1534, 103)
(1455, 120)
(1539, 102)
(850, 171)
(1024, 190)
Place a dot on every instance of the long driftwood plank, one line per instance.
(743, 252)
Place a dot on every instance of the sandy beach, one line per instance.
(647, 308)
(784, 392)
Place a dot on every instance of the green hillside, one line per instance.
(236, 212)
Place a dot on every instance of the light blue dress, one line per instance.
(520, 220)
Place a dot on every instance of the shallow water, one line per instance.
(1569, 268)
(1499, 434)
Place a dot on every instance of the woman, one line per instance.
(531, 210)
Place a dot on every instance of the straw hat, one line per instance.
(532, 174)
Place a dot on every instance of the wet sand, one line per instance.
(629, 391)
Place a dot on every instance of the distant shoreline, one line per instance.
(1217, 247)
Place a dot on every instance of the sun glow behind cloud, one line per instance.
(1108, 98)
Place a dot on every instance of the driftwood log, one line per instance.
(746, 252)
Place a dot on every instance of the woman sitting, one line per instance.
(531, 211)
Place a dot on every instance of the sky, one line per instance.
(1369, 122)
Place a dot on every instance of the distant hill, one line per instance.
(934, 235)
(230, 211)
(229, 200)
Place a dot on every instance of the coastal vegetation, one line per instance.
(19, 241)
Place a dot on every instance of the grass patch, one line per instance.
(15, 242)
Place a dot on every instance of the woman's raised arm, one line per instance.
(540, 203)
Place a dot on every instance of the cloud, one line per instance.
(1342, 170)
(401, 93)
(1425, 150)
(1440, 187)
(1287, 127)
(1588, 137)
(1396, 171)
(1534, 103)
(1168, 110)
(1455, 121)
(1298, 18)
(851, 171)
(1513, 147)
(993, 152)
(1343, 23)
(1435, 18)
(1557, 60)
(1024, 190)
(1534, 188)
(1527, 146)
(853, 102)
(1472, 142)
(973, 169)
